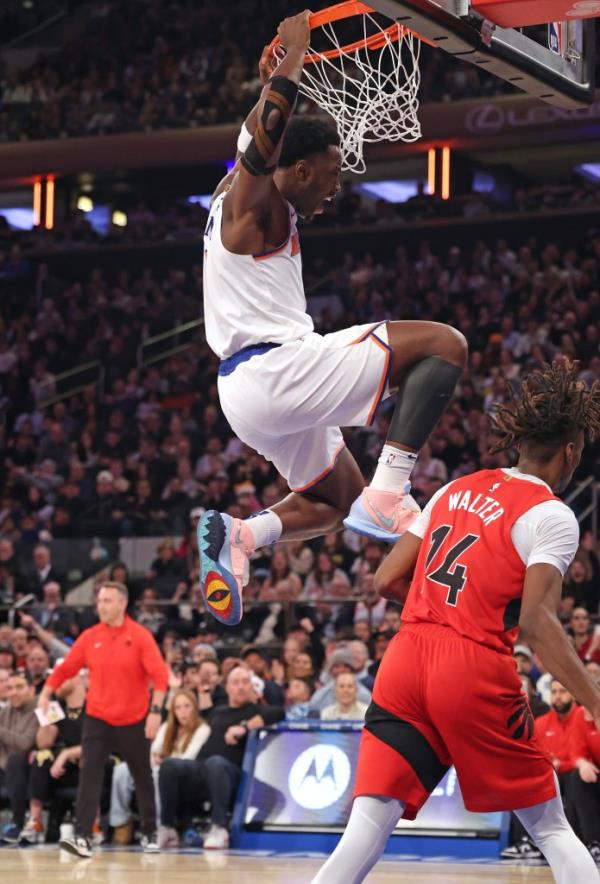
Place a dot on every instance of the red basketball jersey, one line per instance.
(469, 576)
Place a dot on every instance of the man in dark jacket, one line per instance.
(218, 766)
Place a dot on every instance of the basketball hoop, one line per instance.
(368, 85)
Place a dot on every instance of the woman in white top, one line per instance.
(182, 735)
(347, 706)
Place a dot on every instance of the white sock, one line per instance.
(266, 528)
(567, 856)
(393, 469)
(372, 820)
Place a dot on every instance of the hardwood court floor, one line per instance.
(47, 864)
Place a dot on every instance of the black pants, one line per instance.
(42, 786)
(586, 801)
(98, 740)
(182, 782)
(14, 778)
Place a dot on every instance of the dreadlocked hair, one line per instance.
(549, 409)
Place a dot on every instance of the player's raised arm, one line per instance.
(540, 627)
(252, 186)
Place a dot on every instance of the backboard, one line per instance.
(562, 76)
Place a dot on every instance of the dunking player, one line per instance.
(284, 389)
(487, 557)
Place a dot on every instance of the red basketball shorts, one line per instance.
(440, 699)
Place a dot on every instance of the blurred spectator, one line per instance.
(182, 735)
(347, 707)
(50, 614)
(586, 781)
(55, 764)
(11, 578)
(37, 666)
(259, 663)
(18, 727)
(297, 696)
(217, 769)
(20, 646)
(166, 571)
(586, 642)
(585, 592)
(148, 613)
(4, 686)
(43, 571)
(339, 661)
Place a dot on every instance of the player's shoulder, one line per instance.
(552, 514)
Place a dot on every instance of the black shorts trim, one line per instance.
(405, 739)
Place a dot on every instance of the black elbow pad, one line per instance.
(277, 108)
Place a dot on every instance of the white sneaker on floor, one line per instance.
(78, 845)
(167, 837)
(150, 843)
(217, 838)
(32, 833)
(523, 849)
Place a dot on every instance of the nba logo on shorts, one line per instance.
(319, 776)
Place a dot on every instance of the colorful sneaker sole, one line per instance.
(219, 588)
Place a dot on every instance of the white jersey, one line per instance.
(252, 299)
(547, 533)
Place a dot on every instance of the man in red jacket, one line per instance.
(585, 747)
(123, 661)
(554, 729)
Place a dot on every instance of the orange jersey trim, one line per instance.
(366, 334)
(325, 472)
(384, 377)
(276, 251)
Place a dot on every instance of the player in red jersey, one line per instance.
(486, 558)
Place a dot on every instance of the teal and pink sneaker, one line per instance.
(382, 515)
(225, 546)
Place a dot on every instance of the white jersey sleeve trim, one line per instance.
(548, 534)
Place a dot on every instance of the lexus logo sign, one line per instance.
(319, 776)
(489, 119)
(485, 119)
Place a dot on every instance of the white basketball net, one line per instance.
(370, 93)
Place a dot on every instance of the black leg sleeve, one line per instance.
(422, 398)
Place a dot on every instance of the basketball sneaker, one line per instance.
(225, 546)
(382, 515)
(32, 832)
(523, 849)
(77, 845)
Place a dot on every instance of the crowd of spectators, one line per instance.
(154, 450)
(216, 696)
(179, 221)
(156, 64)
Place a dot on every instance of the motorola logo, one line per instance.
(319, 776)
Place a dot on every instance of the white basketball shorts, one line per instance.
(289, 403)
